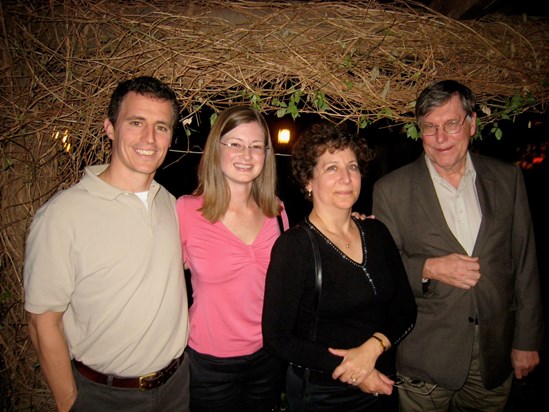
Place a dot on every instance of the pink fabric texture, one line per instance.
(228, 281)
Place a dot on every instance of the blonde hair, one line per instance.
(211, 181)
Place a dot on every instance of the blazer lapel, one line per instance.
(427, 200)
(486, 189)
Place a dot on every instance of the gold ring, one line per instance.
(353, 379)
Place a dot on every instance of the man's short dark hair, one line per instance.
(438, 93)
(146, 86)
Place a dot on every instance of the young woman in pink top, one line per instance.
(228, 227)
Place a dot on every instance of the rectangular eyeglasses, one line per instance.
(255, 148)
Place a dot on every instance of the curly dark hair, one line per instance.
(313, 143)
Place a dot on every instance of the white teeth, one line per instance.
(242, 166)
(145, 152)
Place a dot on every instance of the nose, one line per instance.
(346, 175)
(149, 134)
(246, 151)
(440, 135)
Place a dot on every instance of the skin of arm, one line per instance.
(48, 339)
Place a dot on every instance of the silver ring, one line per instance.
(375, 394)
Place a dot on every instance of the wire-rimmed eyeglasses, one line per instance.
(414, 385)
(256, 148)
(450, 127)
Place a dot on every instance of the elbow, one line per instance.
(270, 344)
(33, 328)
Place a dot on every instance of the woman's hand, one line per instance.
(377, 384)
(357, 363)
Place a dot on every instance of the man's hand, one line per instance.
(460, 271)
(524, 362)
(362, 216)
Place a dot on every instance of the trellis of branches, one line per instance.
(357, 61)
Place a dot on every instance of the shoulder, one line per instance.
(483, 163)
(296, 231)
(166, 193)
(377, 235)
(374, 225)
(293, 237)
(67, 206)
(189, 202)
(64, 200)
(403, 173)
(282, 206)
(375, 231)
(292, 247)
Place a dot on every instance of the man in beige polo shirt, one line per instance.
(104, 284)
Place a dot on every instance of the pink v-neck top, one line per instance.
(228, 281)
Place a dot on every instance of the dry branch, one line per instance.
(354, 60)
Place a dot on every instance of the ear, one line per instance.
(473, 130)
(109, 128)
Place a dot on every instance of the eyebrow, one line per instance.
(142, 118)
(259, 140)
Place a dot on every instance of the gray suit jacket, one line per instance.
(507, 297)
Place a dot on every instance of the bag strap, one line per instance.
(318, 280)
(280, 223)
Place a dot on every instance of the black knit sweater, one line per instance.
(357, 298)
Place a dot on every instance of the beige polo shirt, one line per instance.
(115, 268)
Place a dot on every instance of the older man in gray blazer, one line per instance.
(463, 227)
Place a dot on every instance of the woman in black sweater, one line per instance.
(342, 358)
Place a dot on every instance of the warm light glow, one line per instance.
(64, 138)
(283, 136)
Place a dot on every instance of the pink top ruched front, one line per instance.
(228, 281)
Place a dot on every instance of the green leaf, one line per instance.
(319, 102)
(412, 131)
(293, 111)
(213, 117)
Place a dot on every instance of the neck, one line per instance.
(241, 199)
(340, 230)
(452, 174)
(127, 182)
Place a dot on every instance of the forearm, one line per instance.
(47, 337)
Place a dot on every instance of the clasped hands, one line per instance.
(358, 369)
